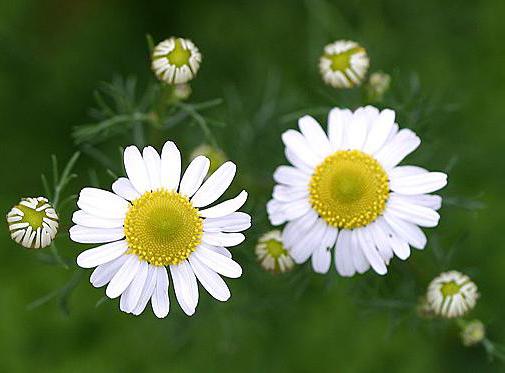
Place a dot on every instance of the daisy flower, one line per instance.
(343, 64)
(33, 223)
(452, 294)
(272, 254)
(155, 222)
(346, 190)
(176, 60)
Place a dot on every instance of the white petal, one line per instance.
(296, 143)
(210, 280)
(286, 193)
(296, 229)
(194, 175)
(315, 136)
(402, 144)
(298, 162)
(147, 290)
(379, 131)
(218, 249)
(159, 299)
(104, 272)
(215, 185)
(343, 255)
(321, 260)
(81, 217)
(170, 166)
(291, 176)
(136, 169)
(222, 239)
(236, 222)
(419, 184)
(102, 203)
(123, 277)
(226, 207)
(356, 131)
(124, 188)
(400, 247)
(405, 210)
(368, 247)
(358, 258)
(186, 288)
(95, 235)
(101, 254)
(275, 212)
(431, 201)
(407, 231)
(152, 163)
(131, 296)
(337, 121)
(218, 263)
(303, 249)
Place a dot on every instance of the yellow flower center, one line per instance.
(179, 56)
(162, 227)
(349, 189)
(450, 289)
(342, 61)
(275, 248)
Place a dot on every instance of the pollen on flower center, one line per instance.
(349, 189)
(162, 227)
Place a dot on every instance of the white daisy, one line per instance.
(176, 60)
(272, 254)
(33, 223)
(452, 294)
(344, 64)
(155, 219)
(346, 190)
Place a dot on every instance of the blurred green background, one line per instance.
(261, 58)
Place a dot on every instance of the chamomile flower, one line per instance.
(346, 190)
(452, 294)
(176, 60)
(33, 223)
(272, 254)
(343, 64)
(155, 222)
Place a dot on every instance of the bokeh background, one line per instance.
(447, 62)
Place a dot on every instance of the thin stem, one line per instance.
(200, 121)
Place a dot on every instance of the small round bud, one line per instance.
(452, 294)
(472, 333)
(271, 253)
(377, 86)
(33, 223)
(176, 60)
(343, 64)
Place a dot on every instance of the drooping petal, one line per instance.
(210, 280)
(123, 277)
(159, 300)
(186, 288)
(218, 263)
